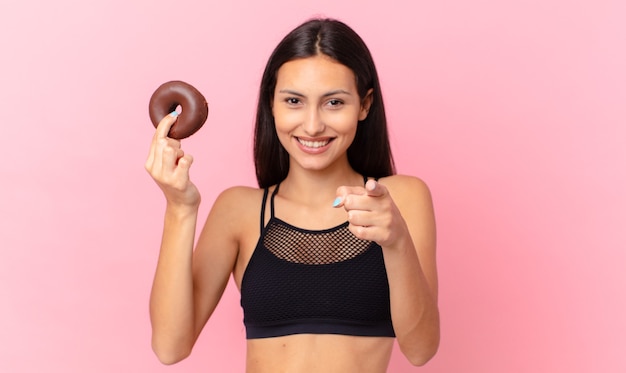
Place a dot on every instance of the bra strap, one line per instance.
(263, 208)
(272, 201)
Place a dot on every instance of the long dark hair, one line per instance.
(370, 153)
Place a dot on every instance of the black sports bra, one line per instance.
(314, 281)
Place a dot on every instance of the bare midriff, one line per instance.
(318, 353)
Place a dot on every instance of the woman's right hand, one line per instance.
(169, 166)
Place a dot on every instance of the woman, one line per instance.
(334, 254)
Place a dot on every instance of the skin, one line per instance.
(316, 103)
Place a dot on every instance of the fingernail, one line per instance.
(337, 201)
(174, 114)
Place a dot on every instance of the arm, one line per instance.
(172, 300)
(411, 267)
(405, 228)
(179, 305)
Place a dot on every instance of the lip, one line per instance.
(311, 150)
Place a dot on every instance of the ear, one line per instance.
(366, 103)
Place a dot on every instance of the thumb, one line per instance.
(374, 188)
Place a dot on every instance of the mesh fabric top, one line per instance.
(321, 282)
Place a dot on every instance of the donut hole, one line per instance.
(177, 108)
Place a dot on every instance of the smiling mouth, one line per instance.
(314, 143)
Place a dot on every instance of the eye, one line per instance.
(335, 103)
(292, 101)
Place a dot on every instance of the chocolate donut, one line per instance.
(194, 108)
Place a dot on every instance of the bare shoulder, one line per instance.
(406, 189)
(237, 203)
(233, 213)
(239, 195)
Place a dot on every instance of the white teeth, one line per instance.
(313, 144)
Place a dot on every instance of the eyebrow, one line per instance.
(331, 93)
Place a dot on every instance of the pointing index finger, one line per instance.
(344, 191)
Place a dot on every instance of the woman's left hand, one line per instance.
(372, 213)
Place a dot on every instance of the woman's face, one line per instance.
(316, 110)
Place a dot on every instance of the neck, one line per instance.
(317, 187)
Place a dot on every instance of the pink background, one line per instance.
(512, 111)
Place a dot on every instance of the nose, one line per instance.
(313, 123)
